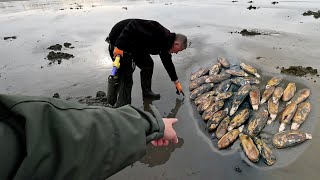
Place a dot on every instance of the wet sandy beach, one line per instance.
(291, 40)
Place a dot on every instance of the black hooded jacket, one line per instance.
(138, 36)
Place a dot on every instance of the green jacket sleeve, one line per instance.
(67, 140)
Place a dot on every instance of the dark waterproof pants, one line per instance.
(127, 67)
(124, 78)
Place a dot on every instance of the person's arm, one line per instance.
(166, 59)
(66, 140)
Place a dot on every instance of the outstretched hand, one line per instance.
(179, 88)
(169, 133)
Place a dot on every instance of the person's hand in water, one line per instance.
(169, 133)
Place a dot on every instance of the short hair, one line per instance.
(182, 39)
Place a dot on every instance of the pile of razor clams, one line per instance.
(219, 92)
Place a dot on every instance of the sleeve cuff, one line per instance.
(158, 117)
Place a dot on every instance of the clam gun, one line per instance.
(113, 82)
(116, 66)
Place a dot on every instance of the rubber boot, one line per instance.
(125, 88)
(146, 78)
(113, 88)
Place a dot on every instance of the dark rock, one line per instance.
(90, 101)
(67, 45)
(56, 95)
(10, 37)
(251, 7)
(101, 94)
(245, 32)
(274, 2)
(125, 8)
(310, 13)
(58, 56)
(56, 47)
(250, 1)
(299, 71)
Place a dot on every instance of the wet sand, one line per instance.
(292, 40)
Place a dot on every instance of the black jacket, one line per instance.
(137, 36)
(48, 138)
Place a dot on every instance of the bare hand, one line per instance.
(169, 133)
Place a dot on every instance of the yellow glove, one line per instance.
(116, 62)
(117, 52)
(179, 88)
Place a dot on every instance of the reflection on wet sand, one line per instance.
(160, 155)
(173, 112)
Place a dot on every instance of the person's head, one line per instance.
(180, 43)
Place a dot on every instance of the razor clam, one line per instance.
(200, 90)
(234, 72)
(223, 127)
(277, 94)
(239, 97)
(275, 81)
(289, 138)
(257, 123)
(252, 80)
(227, 139)
(205, 104)
(217, 78)
(216, 118)
(223, 86)
(265, 151)
(240, 81)
(267, 94)
(203, 97)
(223, 96)
(215, 69)
(202, 71)
(287, 115)
(249, 69)
(301, 115)
(213, 108)
(224, 62)
(198, 82)
(249, 148)
(289, 92)
(254, 97)
(300, 96)
(273, 109)
(239, 119)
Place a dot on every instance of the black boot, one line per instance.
(150, 94)
(146, 78)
